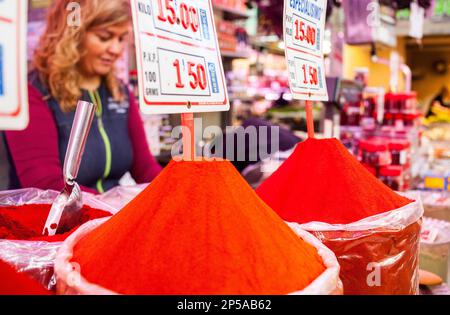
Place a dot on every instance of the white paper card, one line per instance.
(13, 65)
(304, 27)
(179, 63)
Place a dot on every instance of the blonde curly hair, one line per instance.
(60, 48)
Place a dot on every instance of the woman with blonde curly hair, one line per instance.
(75, 61)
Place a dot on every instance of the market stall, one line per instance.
(218, 147)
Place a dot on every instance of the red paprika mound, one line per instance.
(197, 229)
(27, 221)
(14, 283)
(323, 182)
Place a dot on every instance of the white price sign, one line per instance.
(13, 65)
(179, 63)
(304, 25)
(416, 20)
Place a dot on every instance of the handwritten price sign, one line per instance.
(304, 25)
(13, 65)
(179, 63)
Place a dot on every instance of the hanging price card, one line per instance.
(13, 65)
(304, 25)
(179, 63)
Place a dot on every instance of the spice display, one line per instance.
(323, 187)
(400, 152)
(323, 182)
(15, 283)
(392, 176)
(198, 228)
(27, 221)
(375, 152)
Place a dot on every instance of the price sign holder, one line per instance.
(187, 122)
(304, 26)
(179, 62)
(13, 65)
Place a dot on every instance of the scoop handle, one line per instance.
(82, 123)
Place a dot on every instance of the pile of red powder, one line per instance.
(323, 182)
(198, 229)
(26, 222)
(14, 283)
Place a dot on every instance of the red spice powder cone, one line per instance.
(197, 229)
(322, 181)
(14, 283)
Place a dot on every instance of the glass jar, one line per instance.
(407, 177)
(351, 114)
(400, 151)
(390, 105)
(407, 101)
(389, 119)
(411, 119)
(392, 176)
(375, 152)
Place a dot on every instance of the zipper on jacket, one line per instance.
(98, 102)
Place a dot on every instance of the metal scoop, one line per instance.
(65, 209)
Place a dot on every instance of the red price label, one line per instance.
(180, 17)
(306, 74)
(305, 32)
(196, 72)
(310, 75)
(184, 15)
(184, 74)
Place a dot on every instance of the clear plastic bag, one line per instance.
(435, 248)
(120, 196)
(32, 257)
(379, 254)
(71, 282)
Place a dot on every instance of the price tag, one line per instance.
(416, 20)
(304, 25)
(428, 235)
(13, 65)
(179, 63)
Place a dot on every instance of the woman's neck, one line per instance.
(90, 83)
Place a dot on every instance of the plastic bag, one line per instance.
(71, 282)
(32, 257)
(120, 196)
(379, 254)
(435, 248)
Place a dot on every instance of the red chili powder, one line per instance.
(197, 229)
(27, 221)
(14, 283)
(323, 182)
